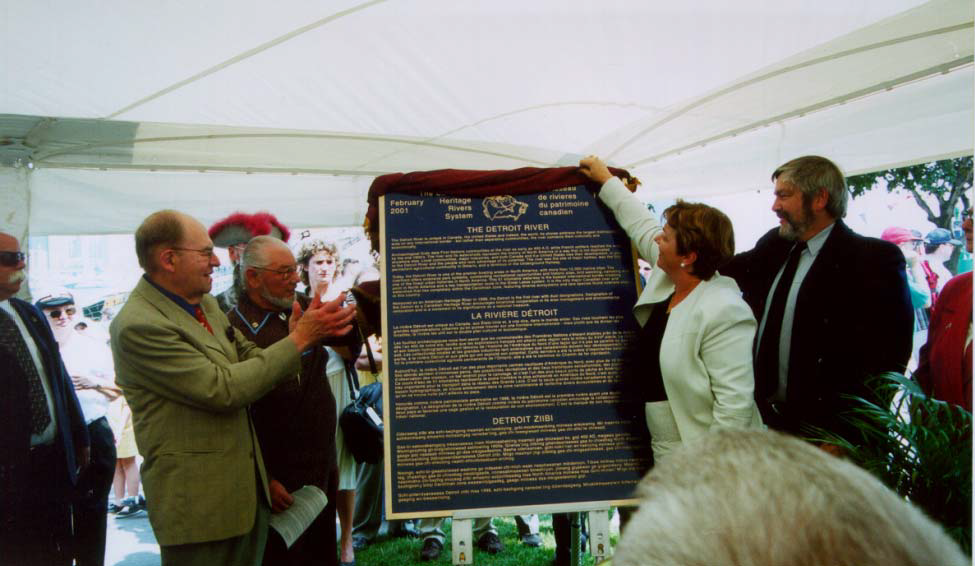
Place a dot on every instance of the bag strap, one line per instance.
(350, 374)
(372, 360)
(353, 380)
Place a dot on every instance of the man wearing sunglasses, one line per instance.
(43, 440)
(189, 377)
(90, 366)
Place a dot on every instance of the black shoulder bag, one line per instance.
(362, 419)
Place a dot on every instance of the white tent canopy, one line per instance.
(114, 109)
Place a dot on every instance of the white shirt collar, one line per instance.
(815, 243)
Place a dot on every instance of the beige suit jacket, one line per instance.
(189, 391)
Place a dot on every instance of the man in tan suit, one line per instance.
(189, 377)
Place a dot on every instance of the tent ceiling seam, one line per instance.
(519, 111)
(835, 101)
(245, 55)
(212, 169)
(781, 71)
(35, 135)
(41, 157)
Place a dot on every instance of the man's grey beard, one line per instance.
(280, 302)
(793, 229)
(789, 232)
(17, 277)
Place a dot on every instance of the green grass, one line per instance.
(405, 552)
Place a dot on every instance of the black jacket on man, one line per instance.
(853, 319)
(35, 501)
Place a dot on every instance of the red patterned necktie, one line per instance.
(203, 320)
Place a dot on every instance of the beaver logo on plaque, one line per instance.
(503, 206)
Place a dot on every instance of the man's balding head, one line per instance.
(256, 252)
(160, 229)
(175, 251)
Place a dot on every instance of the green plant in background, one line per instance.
(919, 447)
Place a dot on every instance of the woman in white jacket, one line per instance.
(697, 331)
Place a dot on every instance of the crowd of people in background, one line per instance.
(232, 402)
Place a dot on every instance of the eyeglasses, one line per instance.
(283, 273)
(56, 313)
(11, 259)
(206, 253)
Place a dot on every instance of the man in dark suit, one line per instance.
(833, 306)
(44, 440)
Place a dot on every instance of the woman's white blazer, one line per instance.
(706, 353)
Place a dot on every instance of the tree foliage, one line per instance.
(943, 182)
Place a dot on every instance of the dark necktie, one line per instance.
(11, 339)
(767, 358)
(198, 311)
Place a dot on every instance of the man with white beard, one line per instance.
(295, 422)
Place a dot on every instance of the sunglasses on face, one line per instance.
(11, 259)
(56, 314)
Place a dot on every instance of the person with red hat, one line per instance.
(233, 233)
(945, 366)
(917, 283)
(939, 246)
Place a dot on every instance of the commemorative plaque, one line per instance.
(506, 325)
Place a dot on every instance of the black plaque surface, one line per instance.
(506, 320)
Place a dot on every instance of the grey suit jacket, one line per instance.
(189, 391)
